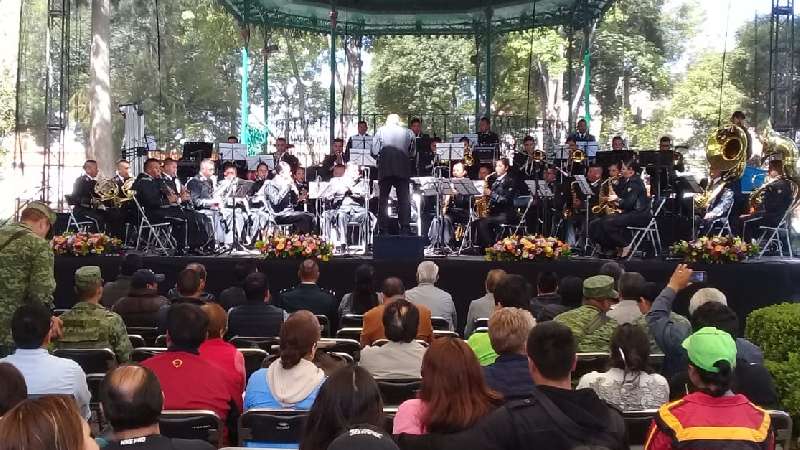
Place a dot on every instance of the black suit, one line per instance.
(288, 158)
(311, 298)
(424, 159)
(611, 231)
(81, 199)
(777, 199)
(501, 209)
(150, 194)
(329, 162)
(394, 170)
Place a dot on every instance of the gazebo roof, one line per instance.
(415, 17)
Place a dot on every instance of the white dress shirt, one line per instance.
(48, 374)
(393, 360)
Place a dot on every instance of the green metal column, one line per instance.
(477, 78)
(570, 82)
(488, 84)
(360, 69)
(587, 65)
(266, 92)
(332, 106)
(244, 133)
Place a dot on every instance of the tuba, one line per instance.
(775, 146)
(726, 152)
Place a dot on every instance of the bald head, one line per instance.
(131, 398)
(308, 271)
(392, 288)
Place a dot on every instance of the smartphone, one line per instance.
(698, 276)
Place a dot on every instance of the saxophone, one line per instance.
(482, 202)
(469, 159)
(605, 204)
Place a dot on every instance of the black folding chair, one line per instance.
(782, 427)
(264, 343)
(148, 333)
(143, 353)
(91, 360)
(440, 324)
(349, 333)
(161, 340)
(191, 424)
(136, 340)
(337, 345)
(271, 426)
(637, 423)
(253, 359)
(351, 321)
(590, 362)
(396, 391)
(325, 324)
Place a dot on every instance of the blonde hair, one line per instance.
(509, 329)
(706, 295)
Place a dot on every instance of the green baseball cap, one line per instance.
(709, 345)
(599, 286)
(44, 209)
(88, 276)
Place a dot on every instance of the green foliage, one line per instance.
(787, 382)
(776, 329)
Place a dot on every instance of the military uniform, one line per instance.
(778, 197)
(591, 326)
(27, 275)
(90, 325)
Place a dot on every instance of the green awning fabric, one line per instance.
(415, 17)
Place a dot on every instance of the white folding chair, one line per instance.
(649, 232)
(723, 222)
(777, 235)
(153, 237)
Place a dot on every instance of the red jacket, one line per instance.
(699, 421)
(229, 360)
(190, 382)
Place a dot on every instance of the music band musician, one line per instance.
(392, 145)
(617, 143)
(777, 199)
(337, 157)
(362, 134)
(722, 198)
(261, 176)
(280, 196)
(581, 133)
(573, 222)
(485, 134)
(202, 188)
(282, 154)
(84, 200)
(345, 198)
(160, 204)
(122, 174)
(500, 195)
(611, 232)
(169, 172)
(456, 211)
(422, 149)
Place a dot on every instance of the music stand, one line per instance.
(467, 187)
(583, 185)
(538, 189)
(238, 194)
(361, 151)
(589, 148)
(691, 186)
(655, 161)
(232, 152)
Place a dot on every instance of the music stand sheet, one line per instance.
(317, 188)
(361, 151)
(243, 188)
(450, 151)
(589, 148)
(542, 190)
(464, 186)
(473, 138)
(232, 152)
(583, 184)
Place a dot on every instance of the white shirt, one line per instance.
(393, 360)
(626, 311)
(48, 374)
(636, 392)
(438, 301)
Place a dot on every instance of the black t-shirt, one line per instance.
(156, 442)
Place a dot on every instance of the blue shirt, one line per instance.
(48, 374)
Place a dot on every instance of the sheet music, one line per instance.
(583, 184)
(232, 152)
(473, 138)
(589, 148)
(254, 161)
(450, 151)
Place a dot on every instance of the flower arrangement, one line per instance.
(528, 248)
(717, 249)
(85, 244)
(295, 246)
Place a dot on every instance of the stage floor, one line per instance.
(748, 285)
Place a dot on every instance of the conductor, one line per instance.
(392, 144)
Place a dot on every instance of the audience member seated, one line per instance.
(349, 397)
(363, 298)
(88, 324)
(187, 380)
(203, 296)
(257, 317)
(140, 307)
(648, 296)
(47, 423)
(43, 372)
(401, 357)
(234, 295)
(427, 294)
(512, 291)
(570, 288)
(614, 270)
(631, 286)
(509, 374)
(547, 302)
(13, 389)
(292, 381)
(716, 417)
(705, 295)
(590, 326)
(751, 378)
(189, 290)
(222, 354)
(454, 394)
(392, 290)
(482, 308)
(628, 384)
(132, 403)
(115, 290)
(364, 437)
(308, 295)
(555, 417)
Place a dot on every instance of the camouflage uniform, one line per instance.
(90, 325)
(592, 328)
(27, 272)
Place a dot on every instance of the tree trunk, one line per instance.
(100, 147)
(301, 87)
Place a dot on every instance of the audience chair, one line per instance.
(351, 321)
(649, 232)
(94, 381)
(396, 391)
(389, 412)
(590, 362)
(346, 358)
(91, 360)
(338, 345)
(782, 427)
(253, 359)
(325, 324)
(264, 343)
(191, 424)
(142, 353)
(161, 340)
(272, 426)
(444, 333)
(656, 362)
(482, 329)
(59, 311)
(637, 423)
(148, 333)
(439, 323)
(482, 322)
(349, 333)
(136, 340)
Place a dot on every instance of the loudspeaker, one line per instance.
(399, 247)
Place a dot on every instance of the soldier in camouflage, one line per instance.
(27, 262)
(589, 323)
(88, 324)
